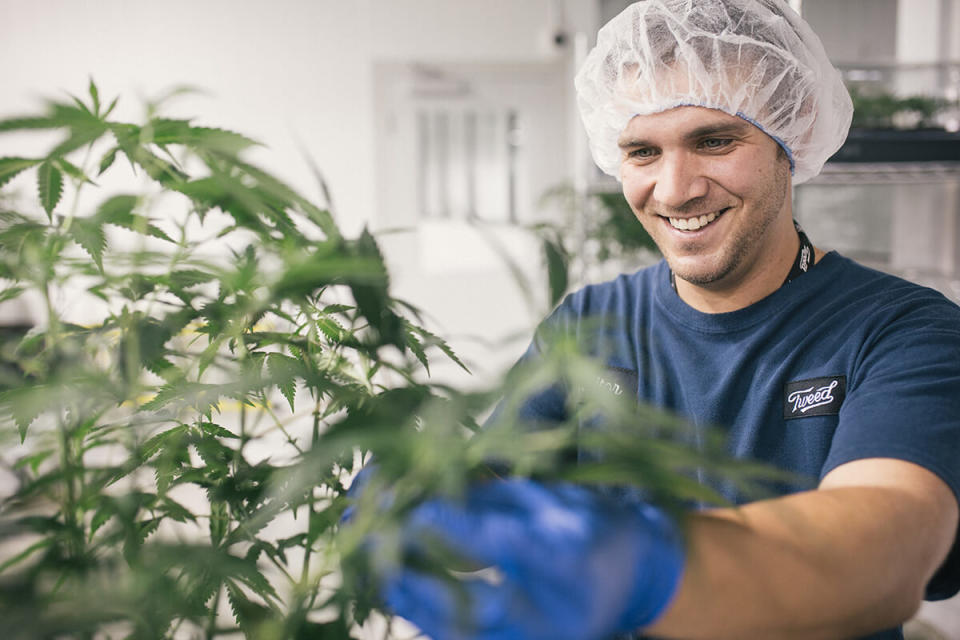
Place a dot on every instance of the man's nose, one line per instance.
(679, 180)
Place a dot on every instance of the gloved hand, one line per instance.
(573, 564)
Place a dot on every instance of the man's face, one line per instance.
(712, 190)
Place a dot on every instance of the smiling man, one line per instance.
(713, 191)
(708, 111)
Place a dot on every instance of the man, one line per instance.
(708, 111)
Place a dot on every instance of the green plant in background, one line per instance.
(618, 233)
(212, 361)
(611, 230)
(883, 110)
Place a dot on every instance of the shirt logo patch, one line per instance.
(814, 397)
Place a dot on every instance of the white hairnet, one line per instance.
(756, 59)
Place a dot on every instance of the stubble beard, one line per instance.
(738, 248)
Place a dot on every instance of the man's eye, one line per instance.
(641, 153)
(715, 143)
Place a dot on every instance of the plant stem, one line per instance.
(52, 342)
(308, 550)
(211, 630)
(279, 424)
(70, 498)
(77, 186)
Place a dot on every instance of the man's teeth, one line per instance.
(692, 224)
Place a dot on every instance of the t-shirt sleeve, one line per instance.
(543, 406)
(546, 404)
(903, 402)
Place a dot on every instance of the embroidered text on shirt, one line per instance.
(814, 397)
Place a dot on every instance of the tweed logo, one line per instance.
(814, 397)
(811, 398)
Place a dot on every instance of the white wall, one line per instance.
(288, 73)
(852, 31)
(951, 47)
(468, 31)
(918, 31)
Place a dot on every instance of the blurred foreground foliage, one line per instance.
(210, 362)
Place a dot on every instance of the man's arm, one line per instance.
(849, 558)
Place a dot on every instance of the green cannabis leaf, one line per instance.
(50, 186)
(10, 167)
(90, 236)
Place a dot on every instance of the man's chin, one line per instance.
(700, 275)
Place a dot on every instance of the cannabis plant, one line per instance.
(207, 364)
(610, 239)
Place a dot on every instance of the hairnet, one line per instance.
(756, 59)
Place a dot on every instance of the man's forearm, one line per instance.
(830, 563)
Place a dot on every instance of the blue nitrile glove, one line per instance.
(572, 564)
(357, 486)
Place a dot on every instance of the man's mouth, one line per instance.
(696, 223)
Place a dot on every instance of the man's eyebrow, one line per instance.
(727, 128)
(706, 131)
(627, 143)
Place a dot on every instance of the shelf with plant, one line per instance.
(890, 128)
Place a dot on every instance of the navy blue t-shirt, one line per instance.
(840, 364)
